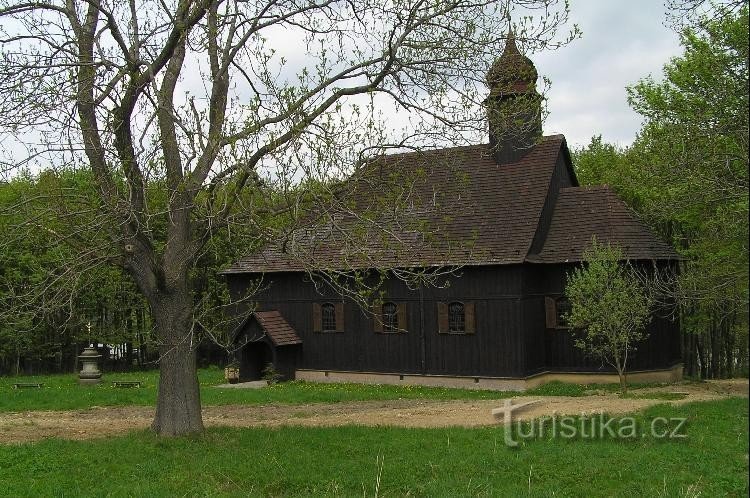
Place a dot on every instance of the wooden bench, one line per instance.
(24, 385)
(126, 383)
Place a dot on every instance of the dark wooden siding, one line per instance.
(511, 338)
(558, 352)
(493, 350)
(533, 325)
(659, 350)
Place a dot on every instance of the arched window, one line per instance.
(390, 317)
(456, 318)
(328, 317)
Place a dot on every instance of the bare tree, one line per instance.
(684, 13)
(196, 116)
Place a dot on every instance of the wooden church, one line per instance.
(507, 219)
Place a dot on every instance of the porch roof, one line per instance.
(276, 328)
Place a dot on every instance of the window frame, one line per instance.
(453, 316)
(469, 318)
(400, 318)
(338, 317)
(390, 325)
(552, 312)
(560, 322)
(328, 313)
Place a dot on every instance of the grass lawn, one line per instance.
(348, 461)
(62, 392)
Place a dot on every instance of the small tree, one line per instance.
(610, 305)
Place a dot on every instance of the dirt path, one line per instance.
(106, 421)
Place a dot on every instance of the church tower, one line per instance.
(514, 107)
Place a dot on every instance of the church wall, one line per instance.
(660, 350)
(511, 337)
(494, 349)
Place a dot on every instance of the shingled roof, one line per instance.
(470, 210)
(275, 327)
(473, 211)
(582, 213)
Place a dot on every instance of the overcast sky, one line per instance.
(623, 41)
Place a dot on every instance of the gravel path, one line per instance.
(107, 421)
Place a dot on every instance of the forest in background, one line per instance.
(686, 175)
(49, 309)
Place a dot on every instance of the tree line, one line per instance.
(56, 295)
(686, 175)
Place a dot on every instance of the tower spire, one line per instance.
(512, 72)
(513, 105)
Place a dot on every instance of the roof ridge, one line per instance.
(538, 217)
(481, 212)
(544, 139)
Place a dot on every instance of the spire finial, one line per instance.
(509, 20)
(512, 71)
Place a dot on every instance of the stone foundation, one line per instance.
(669, 375)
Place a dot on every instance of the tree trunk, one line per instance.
(689, 356)
(694, 363)
(139, 324)
(716, 347)
(178, 405)
(730, 347)
(620, 367)
(703, 358)
(623, 381)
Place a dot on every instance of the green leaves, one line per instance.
(52, 280)
(695, 145)
(686, 174)
(609, 304)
